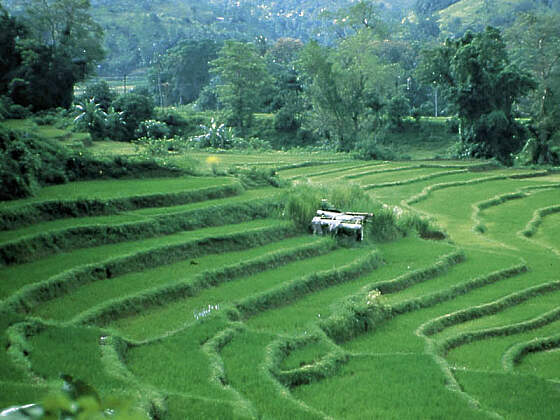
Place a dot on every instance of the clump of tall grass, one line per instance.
(302, 201)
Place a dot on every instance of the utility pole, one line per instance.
(435, 100)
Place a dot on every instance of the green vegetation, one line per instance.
(253, 318)
(156, 253)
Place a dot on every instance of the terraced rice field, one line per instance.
(194, 298)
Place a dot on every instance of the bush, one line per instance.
(253, 143)
(177, 124)
(152, 129)
(101, 92)
(28, 162)
(19, 168)
(303, 200)
(452, 125)
(371, 150)
(215, 135)
(285, 119)
(397, 109)
(254, 177)
(135, 109)
(54, 117)
(153, 147)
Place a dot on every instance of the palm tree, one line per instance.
(91, 117)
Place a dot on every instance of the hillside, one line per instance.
(137, 32)
(188, 298)
(477, 14)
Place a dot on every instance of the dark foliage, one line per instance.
(28, 162)
(135, 108)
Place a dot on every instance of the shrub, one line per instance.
(53, 117)
(4, 104)
(302, 201)
(135, 108)
(371, 149)
(397, 109)
(215, 135)
(177, 124)
(254, 177)
(252, 143)
(91, 117)
(115, 126)
(19, 168)
(153, 147)
(286, 119)
(28, 162)
(101, 92)
(452, 125)
(152, 129)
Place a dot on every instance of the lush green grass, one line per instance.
(89, 295)
(111, 189)
(132, 216)
(80, 357)
(545, 364)
(512, 396)
(157, 321)
(61, 224)
(314, 170)
(178, 364)
(518, 313)
(16, 394)
(398, 333)
(272, 159)
(393, 195)
(220, 365)
(466, 270)
(112, 148)
(373, 384)
(487, 354)
(261, 193)
(306, 355)
(244, 363)
(180, 407)
(405, 174)
(548, 232)
(15, 277)
(456, 215)
(399, 258)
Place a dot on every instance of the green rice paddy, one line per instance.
(250, 318)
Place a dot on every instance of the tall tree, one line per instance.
(534, 42)
(60, 46)
(10, 59)
(287, 96)
(483, 86)
(186, 69)
(243, 76)
(346, 86)
(365, 14)
(67, 28)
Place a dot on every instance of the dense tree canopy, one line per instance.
(243, 77)
(483, 87)
(48, 49)
(184, 70)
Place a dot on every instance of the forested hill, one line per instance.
(138, 31)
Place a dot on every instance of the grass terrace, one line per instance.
(192, 297)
